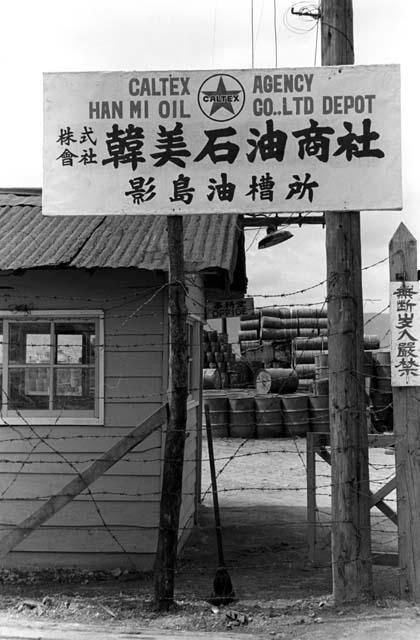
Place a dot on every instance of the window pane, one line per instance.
(69, 348)
(29, 388)
(29, 343)
(75, 342)
(74, 388)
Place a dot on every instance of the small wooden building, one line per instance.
(84, 359)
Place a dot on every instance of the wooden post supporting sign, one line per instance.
(351, 550)
(406, 405)
(171, 494)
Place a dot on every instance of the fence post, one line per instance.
(406, 404)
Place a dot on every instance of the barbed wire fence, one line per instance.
(250, 471)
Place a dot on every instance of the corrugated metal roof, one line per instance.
(28, 239)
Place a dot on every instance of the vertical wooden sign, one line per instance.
(406, 405)
(405, 333)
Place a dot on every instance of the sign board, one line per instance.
(229, 308)
(405, 334)
(237, 141)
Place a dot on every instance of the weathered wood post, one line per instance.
(350, 530)
(173, 465)
(406, 404)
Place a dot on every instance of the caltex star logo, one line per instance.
(221, 97)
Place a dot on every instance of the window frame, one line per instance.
(55, 417)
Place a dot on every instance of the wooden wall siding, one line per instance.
(92, 561)
(189, 477)
(127, 496)
(136, 379)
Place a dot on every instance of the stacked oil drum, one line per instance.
(249, 332)
(218, 360)
(284, 358)
(276, 327)
(243, 415)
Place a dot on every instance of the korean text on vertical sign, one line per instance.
(405, 334)
(236, 141)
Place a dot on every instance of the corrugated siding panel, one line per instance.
(29, 239)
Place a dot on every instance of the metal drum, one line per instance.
(321, 366)
(278, 334)
(276, 380)
(219, 415)
(312, 312)
(295, 415)
(242, 416)
(305, 370)
(319, 414)
(268, 416)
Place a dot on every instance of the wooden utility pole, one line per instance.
(171, 494)
(406, 405)
(350, 533)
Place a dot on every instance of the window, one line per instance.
(52, 367)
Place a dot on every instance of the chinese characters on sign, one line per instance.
(227, 142)
(405, 334)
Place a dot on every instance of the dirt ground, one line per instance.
(279, 593)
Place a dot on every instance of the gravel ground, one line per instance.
(279, 593)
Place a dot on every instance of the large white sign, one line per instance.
(271, 140)
(405, 334)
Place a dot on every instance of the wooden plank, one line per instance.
(107, 487)
(127, 388)
(383, 491)
(83, 480)
(149, 363)
(69, 439)
(141, 340)
(387, 511)
(146, 464)
(382, 506)
(381, 440)
(85, 512)
(92, 560)
(90, 539)
(406, 406)
(375, 440)
(128, 415)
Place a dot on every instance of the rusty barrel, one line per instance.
(295, 415)
(319, 414)
(305, 371)
(268, 416)
(241, 416)
(275, 380)
(219, 415)
(321, 366)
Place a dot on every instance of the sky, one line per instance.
(91, 35)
